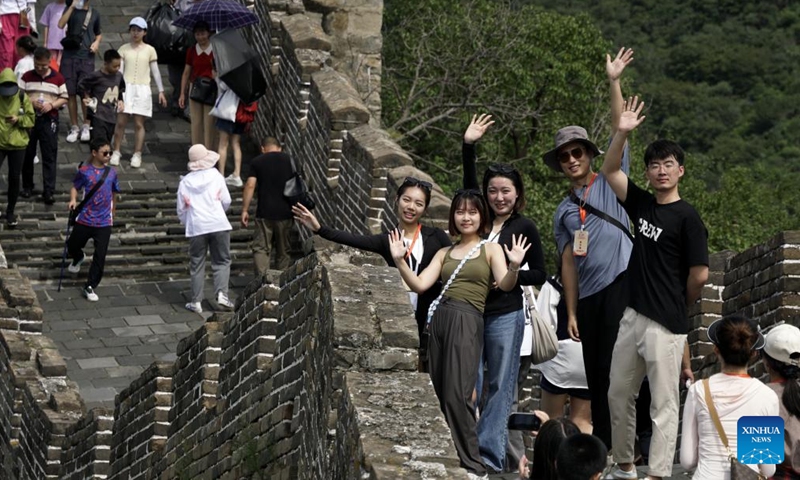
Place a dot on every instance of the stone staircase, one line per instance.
(148, 240)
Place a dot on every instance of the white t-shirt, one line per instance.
(413, 263)
(24, 65)
(734, 397)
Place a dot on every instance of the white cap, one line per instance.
(138, 22)
(783, 344)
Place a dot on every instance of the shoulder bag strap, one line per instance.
(712, 410)
(85, 25)
(92, 191)
(599, 213)
(469, 255)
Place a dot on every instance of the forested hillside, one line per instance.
(719, 76)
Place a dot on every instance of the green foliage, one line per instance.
(533, 70)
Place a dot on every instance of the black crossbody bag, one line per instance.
(599, 213)
(73, 214)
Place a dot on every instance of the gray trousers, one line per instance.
(219, 245)
(455, 343)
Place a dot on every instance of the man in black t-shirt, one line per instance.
(667, 271)
(269, 172)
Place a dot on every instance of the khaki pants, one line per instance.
(645, 347)
(267, 232)
(203, 130)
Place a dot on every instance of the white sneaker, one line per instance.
(194, 307)
(88, 292)
(473, 476)
(85, 135)
(115, 158)
(75, 267)
(224, 301)
(620, 474)
(233, 180)
(72, 136)
(136, 160)
(36, 159)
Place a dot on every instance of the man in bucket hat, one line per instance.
(203, 199)
(591, 232)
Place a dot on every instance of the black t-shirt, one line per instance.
(669, 240)
(272, 170)
(75, 25)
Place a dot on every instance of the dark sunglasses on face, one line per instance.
(502, 168)
(416, 182)
(576, 152)
(106, 153)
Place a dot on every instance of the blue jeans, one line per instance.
(502, 339)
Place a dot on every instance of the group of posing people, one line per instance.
(631, 264)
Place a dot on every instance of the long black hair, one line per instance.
(545, 449)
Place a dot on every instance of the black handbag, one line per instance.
(73, 41)
(296, 191)
(204, 90)
(169, 41)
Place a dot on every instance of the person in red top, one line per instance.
(48, 92)
(199, 63)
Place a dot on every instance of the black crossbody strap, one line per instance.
(94, 190)
(599, 213)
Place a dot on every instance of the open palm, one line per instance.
(631, 115)
(614, 68)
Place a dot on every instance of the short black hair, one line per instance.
(41, 53)
(26, 43)
(475, 198)
(97, 143)
(663, 149)
(201, 25)
(270, 142)
(110, 55)
(581, 457)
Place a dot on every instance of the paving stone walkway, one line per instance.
(108, 343)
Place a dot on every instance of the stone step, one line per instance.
(174, 271)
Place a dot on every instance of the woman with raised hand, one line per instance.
(719, 401)
(504, 315)
(456, 319)
(422, 242)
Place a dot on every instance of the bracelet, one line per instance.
(511, 269)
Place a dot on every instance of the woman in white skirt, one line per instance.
(139, 62)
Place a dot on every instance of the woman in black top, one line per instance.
(504, 317)
(413, 198)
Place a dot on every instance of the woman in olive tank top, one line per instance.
(455, 338)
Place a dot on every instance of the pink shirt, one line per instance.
(52, 13)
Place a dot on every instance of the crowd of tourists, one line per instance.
(631, 260)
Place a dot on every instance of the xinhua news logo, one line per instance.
(760, 440)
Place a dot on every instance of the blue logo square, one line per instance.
(760, 440)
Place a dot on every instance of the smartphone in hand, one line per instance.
(524, 421)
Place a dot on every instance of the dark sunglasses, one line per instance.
(469, 191)
(503, 168)
(416, 182)
(576, 153)
(106, 154)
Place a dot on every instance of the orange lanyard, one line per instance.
(743, 375)
(583, 201)
(411, 247)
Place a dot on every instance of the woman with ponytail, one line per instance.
(781, 356)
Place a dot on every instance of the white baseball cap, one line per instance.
(138, 22)
(783, 344)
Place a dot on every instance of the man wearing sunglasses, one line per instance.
(594, 240)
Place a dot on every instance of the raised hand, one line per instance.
(477, 127)
(304, 216)
(396, 246)
(519, 246)
(615, 68)
(631, 111)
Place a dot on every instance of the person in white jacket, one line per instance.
(203, 199)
